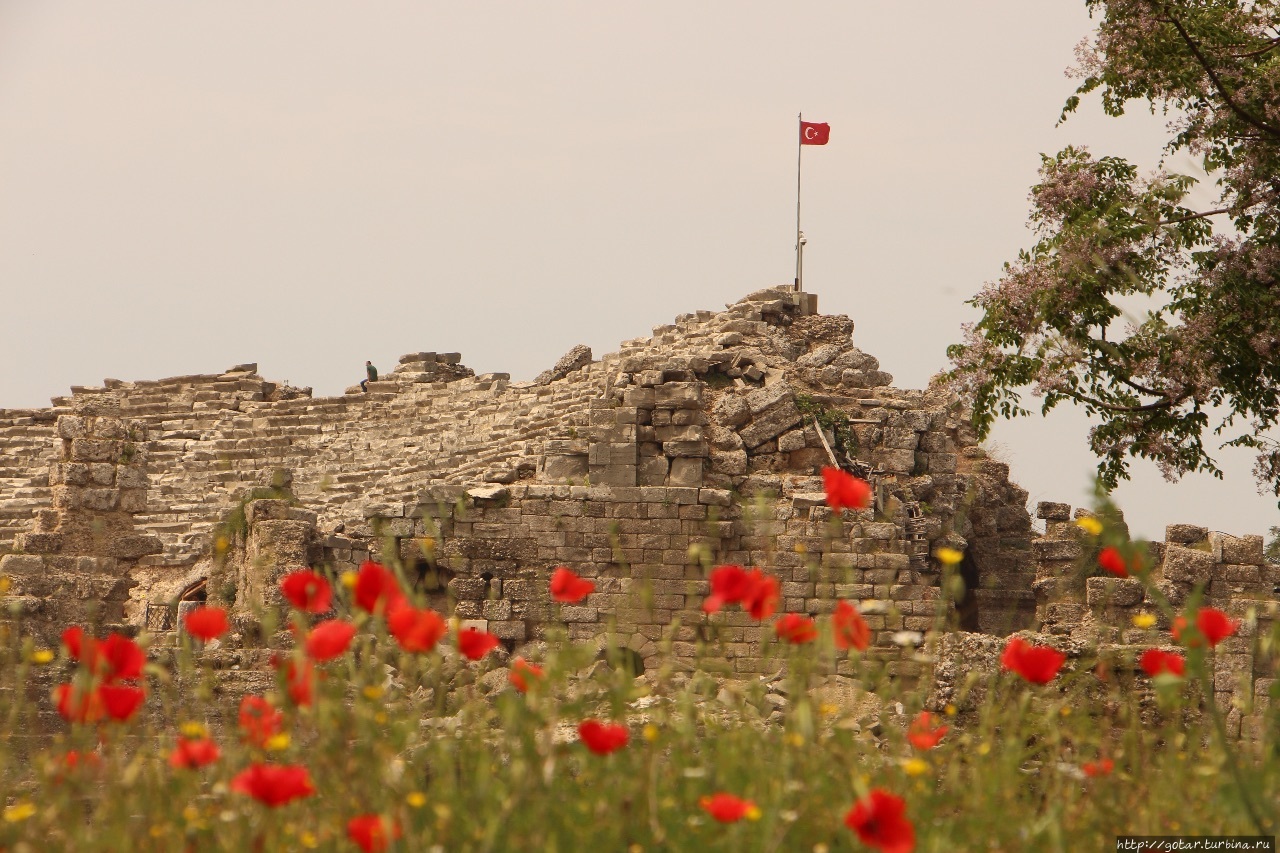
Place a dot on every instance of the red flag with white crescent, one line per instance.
(812, 133)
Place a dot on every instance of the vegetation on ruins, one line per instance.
(1159, 317)
(390, 728)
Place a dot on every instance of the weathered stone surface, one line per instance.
(770, 423)
(1245, 550)
(768, 396)
(679, 395)
(1113, 592)
(1185, 534)
(731, 410)
(1053, 511)
(574, 359)
(1187, 565)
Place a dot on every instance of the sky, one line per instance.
(307, 185)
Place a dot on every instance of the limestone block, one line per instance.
(1185, 534)
(102, 473)
(770, 423)
(1187, 565)
(678, 433)
(613, 475)
(729, 462)
(898, 461)
(652, 471)
(768, 396)
(94, 450)
(941, 463)
(688, 417)
(38, 543)
(565, 468)
(69, 473)
(1245, 550)
(792, 440)
(1046, 550)
(686, 472)
(731, 410)
(507, 630)
(495, 492)
(135, 545)
(723, 438)
(899, 438)
(612, 453)
(1113, 592)
(101, 500)
(71, 426)
(697, 448)
(133, 500)
(819, 357)
(679, 395)
(641, 398)
(1053, 511)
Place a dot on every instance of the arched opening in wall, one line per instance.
(967, 607)
(432, 579)
(623, 658)
(198, 591)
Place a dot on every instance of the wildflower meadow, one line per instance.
(391, 726)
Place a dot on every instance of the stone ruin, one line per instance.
(124, 504)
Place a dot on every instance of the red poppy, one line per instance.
(763, 593)
(377, 589)
(795, 629)
(880, 821)
(568, 587)
(1214, 625)
(729, 585)
(329, 639)
(78, 706)
(475, 643)
(371, 832)
(73, 760)
(603, 738)
(117, 658)
(923, 734)
(1155, 661)
(852, 631)
(1037, 664)
(727, 808)
(522, 673)
(259, 721)
(307, 590)
(300, 681)
(121, 701)
(1101, 767)
(845, 491)
(274, 785)
(192, 753)
(416, 630)
(206, 623)
(1111, 561)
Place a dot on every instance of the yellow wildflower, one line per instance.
(795, 739)
(1143, 620)
(948, 556)
(373, 692)
(193, 730)
(753, 812)
(308, 840)
(1089, 525)
(348, 579)
(650, 732)
(41, 656)
(4, 584)
(278, 743)
(416, 799)
(915, 766)
(950, 710)
(19, 812)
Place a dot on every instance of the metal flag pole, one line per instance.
(799, 150)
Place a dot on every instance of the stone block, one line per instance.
(770, 424)
(791, 440)
(135, 545)
(1056, 549)
(613, 475)
(1113, 592)
(1244, 550)
(769, 396)
(640, 398)
(685, 472)
(562, 469)
(898, 461)
(38, 543)
(679, 395)
(731, 410)
(1185, 534)
(652, 471)
(715, 497)
(730, 462)
(94, 450)
(507, 630)
(1187, 565)
(612, 453)
(1053, 511)
(696, 449)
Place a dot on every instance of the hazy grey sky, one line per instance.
(186, 186)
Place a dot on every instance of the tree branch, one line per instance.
(1190, 216)
(1166, 403)
(1240, 111)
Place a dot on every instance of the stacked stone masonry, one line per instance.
(699, 445)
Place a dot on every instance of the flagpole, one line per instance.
(799, 149)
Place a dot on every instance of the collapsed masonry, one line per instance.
(697, 446)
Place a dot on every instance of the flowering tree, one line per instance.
(1204, 352)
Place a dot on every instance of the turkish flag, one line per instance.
(812, 133)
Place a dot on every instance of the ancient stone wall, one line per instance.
(699, 445)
